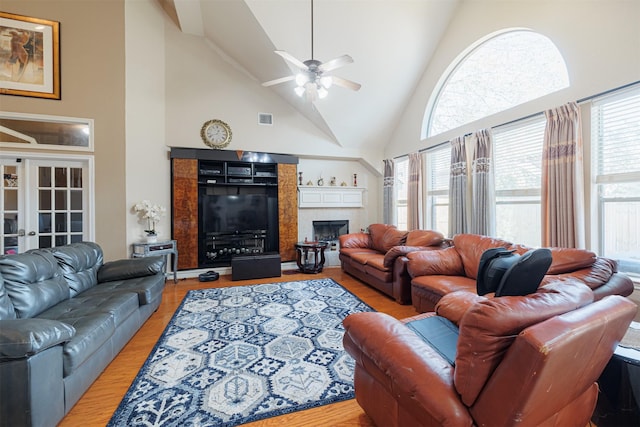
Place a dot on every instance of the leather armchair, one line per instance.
(525, 361)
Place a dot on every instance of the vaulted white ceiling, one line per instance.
(390, 41)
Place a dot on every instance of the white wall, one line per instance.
(147, 164)
(599, 39)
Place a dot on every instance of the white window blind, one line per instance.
(518, 176)
(615, 136)
(438, 165)
(401, 181)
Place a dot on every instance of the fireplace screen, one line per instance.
(328, 231)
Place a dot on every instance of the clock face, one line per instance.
(216, 134)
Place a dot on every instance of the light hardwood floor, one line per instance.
(102, 398)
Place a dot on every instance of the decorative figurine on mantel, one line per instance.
(333, 181)
(320, 182)
(355, 179)
(300, 178)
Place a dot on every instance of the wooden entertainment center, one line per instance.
(201, 177)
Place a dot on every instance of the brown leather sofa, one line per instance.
(437, 273)
(521, 360)
(378, 257)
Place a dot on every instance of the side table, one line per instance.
(313, 263)
(166, 248)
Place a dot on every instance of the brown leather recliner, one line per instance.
(378, 257)
(521, 360)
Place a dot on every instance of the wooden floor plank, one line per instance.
(102, 398)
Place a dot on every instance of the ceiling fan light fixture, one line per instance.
(301, 79)
(300, 90)
(326, 81)
(322, 92)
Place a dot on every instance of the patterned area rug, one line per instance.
(239, 354)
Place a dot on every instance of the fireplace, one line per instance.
(328, 231)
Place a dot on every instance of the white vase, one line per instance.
(152, 238)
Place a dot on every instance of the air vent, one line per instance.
(265, 119)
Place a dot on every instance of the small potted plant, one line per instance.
(152, 214)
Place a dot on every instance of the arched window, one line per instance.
(497, 73)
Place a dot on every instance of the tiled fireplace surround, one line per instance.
(355, 216)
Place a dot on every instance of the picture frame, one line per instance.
(29, 56)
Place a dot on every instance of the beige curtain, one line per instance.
(414, 193)
(458, 188)
(562, 200)
(388, 199)
(483, 203)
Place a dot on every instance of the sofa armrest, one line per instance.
(396, 251)
(124, 269)
(414, 371)
(20, 338)
(454, 305)
(445, 262)
(355, 240)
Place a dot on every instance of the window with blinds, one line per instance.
(438, 164)
(518, 176)
(401, 181)
(615, 139)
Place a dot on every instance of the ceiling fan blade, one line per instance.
(278, 81)
(293, 60)
(348, 84)
(335, 63)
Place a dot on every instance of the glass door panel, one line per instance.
(61, 206)
(10, 201)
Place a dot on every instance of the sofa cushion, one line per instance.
(429, 263)
(33, 282)
(6, 307)
(93, 330)
(148, 288)
(384, 237)
(119, 305)
(350, 251)
(472, 246)
(365, 258)
(424, 238)
(79, 263)
(566, 260)
(489, 327)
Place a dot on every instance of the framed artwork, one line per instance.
(29, 56)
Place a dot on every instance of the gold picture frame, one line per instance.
(29, 56)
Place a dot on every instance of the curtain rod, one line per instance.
(530, 116)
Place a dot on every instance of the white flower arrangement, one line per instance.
(152, 213)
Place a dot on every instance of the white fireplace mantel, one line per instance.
(330, 197)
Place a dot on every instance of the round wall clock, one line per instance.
(216, 133)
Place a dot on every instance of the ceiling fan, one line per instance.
(314, 79)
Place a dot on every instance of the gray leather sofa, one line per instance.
(64, 315)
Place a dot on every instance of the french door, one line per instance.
(45, 202)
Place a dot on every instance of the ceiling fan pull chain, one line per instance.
(312, 57)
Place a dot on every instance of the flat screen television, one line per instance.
(234, 213)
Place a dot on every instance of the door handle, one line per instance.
(21, 232)
(32, 233)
